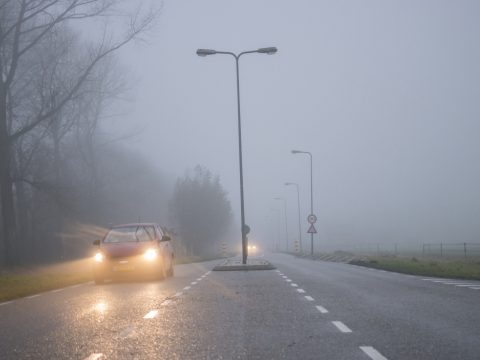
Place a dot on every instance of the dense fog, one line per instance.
(106, 110)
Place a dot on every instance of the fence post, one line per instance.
(465, 249)
(441, 249)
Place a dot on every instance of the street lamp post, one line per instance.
(269, 51)
(286, 221)
(299, 222)
(311, 189)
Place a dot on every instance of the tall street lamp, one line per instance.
(268, 51)
(298, 203)
(311, 190)
(286, 221)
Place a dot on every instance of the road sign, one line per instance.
(312, 230)
(246, 229)
(312, 219)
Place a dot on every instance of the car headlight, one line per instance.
(98, 257)
(150, 254)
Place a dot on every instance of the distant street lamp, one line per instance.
(268, 51)
(311, 190)
(299, 222)
(286, 221)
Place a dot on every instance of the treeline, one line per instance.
(54, 91)
(201, 213)
(61, 181)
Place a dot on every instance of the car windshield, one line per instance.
(130, 234)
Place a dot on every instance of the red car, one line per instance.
(140, 248)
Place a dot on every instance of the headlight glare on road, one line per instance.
(150, 254)
(98, 257)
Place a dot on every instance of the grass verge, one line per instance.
(457, 269)
(24, 281)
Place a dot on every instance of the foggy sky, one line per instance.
(385, 94)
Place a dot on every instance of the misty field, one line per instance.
(459, 269)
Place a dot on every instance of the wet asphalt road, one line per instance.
(303, 310)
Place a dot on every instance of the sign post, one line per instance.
(312, 219)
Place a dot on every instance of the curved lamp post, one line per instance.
(268, 51)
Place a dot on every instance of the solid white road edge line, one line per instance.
(372, 353)
(6, 302)
(32, 296)
(151, 314)
(341, 326)
(321, 309)
(309, 298)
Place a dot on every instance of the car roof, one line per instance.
(134, 224)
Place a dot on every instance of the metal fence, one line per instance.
(456, 250)
(430, 250)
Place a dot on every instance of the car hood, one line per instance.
(114, 250)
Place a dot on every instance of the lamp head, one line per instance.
(268, 50)
(205, 52)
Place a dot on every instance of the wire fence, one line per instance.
(428, 250)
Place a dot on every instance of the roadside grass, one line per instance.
(24, 281)
(445, 268)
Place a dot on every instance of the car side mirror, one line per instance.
(165, 238)
(96, 242)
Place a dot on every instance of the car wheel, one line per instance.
(171, 271)
(163, 273)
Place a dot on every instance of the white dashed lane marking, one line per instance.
(453, 282)
(341, 326)
(321, 309)
(294, 285)
(193, 283)
(301, 291)
(178, 294)
(372, 353)
(94, 356)
(151, 314)
(166, 302)
(309, 298)
(186, 288)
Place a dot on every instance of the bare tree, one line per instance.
(24, 26)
